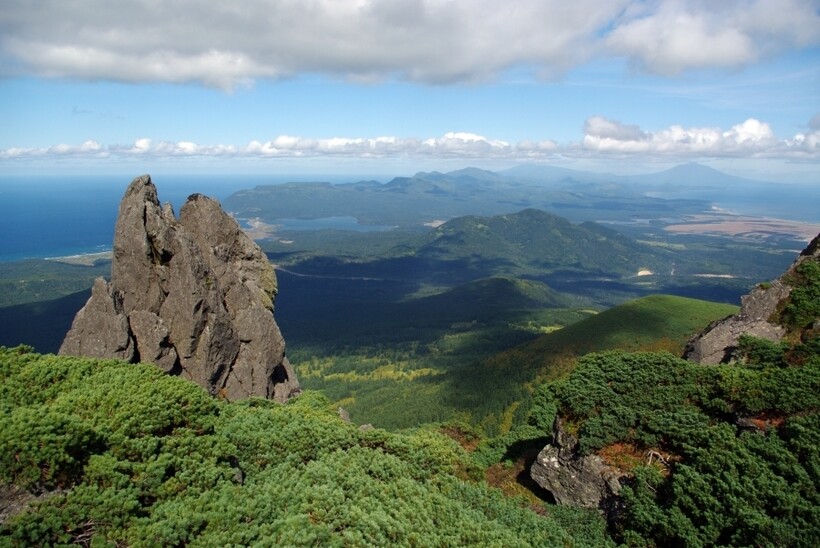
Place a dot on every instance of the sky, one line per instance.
(398, 86)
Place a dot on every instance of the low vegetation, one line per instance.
(736, 446)
(123, 454)
(714, 455)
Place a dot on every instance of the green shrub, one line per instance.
(153, 460)
(720, 484)
(41, 448)
(760, 352)
(803, 307)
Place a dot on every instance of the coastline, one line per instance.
(83, 259)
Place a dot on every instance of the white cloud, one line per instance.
(84, 148)
(750, 139)
(602, 137)
(465, 145)
(601, 127)
(88, 148)
(667, 37)
(229, 44)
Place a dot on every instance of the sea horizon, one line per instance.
(51, 216)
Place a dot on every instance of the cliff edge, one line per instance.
(758, 317)
(193, 295)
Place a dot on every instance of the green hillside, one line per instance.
(656, 322)
(596, 265)
(495, 388)
(108, 453)
(451, 376)
(538, 242)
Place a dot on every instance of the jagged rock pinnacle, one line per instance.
(193, 295)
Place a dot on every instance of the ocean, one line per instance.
(793, 202)
(52, 216)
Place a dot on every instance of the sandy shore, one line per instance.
(751, 228)
(84, 259)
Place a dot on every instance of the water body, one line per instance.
(53, 216)
(779, 201)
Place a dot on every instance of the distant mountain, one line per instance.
(692, 175)
(538, 242)
(740, 195)
(434, 196)
(553, 174)
(467, 174)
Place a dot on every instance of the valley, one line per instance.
(400, 326)
(393, 304)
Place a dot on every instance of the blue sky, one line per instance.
(397, 86)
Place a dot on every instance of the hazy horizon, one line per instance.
(395, 87)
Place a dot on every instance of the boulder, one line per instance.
(192, 295)
(574, 479)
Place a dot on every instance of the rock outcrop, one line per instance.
(574, 479)
(193, 295)
(757, 317)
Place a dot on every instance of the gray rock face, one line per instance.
(574, 479)
(757, 317)
(192, 295)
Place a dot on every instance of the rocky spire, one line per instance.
(193, 295)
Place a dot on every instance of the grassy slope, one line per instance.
(490, 392)
(656, 322)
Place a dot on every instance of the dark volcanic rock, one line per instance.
(192, 295)
(757, 317)
(574, 479)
